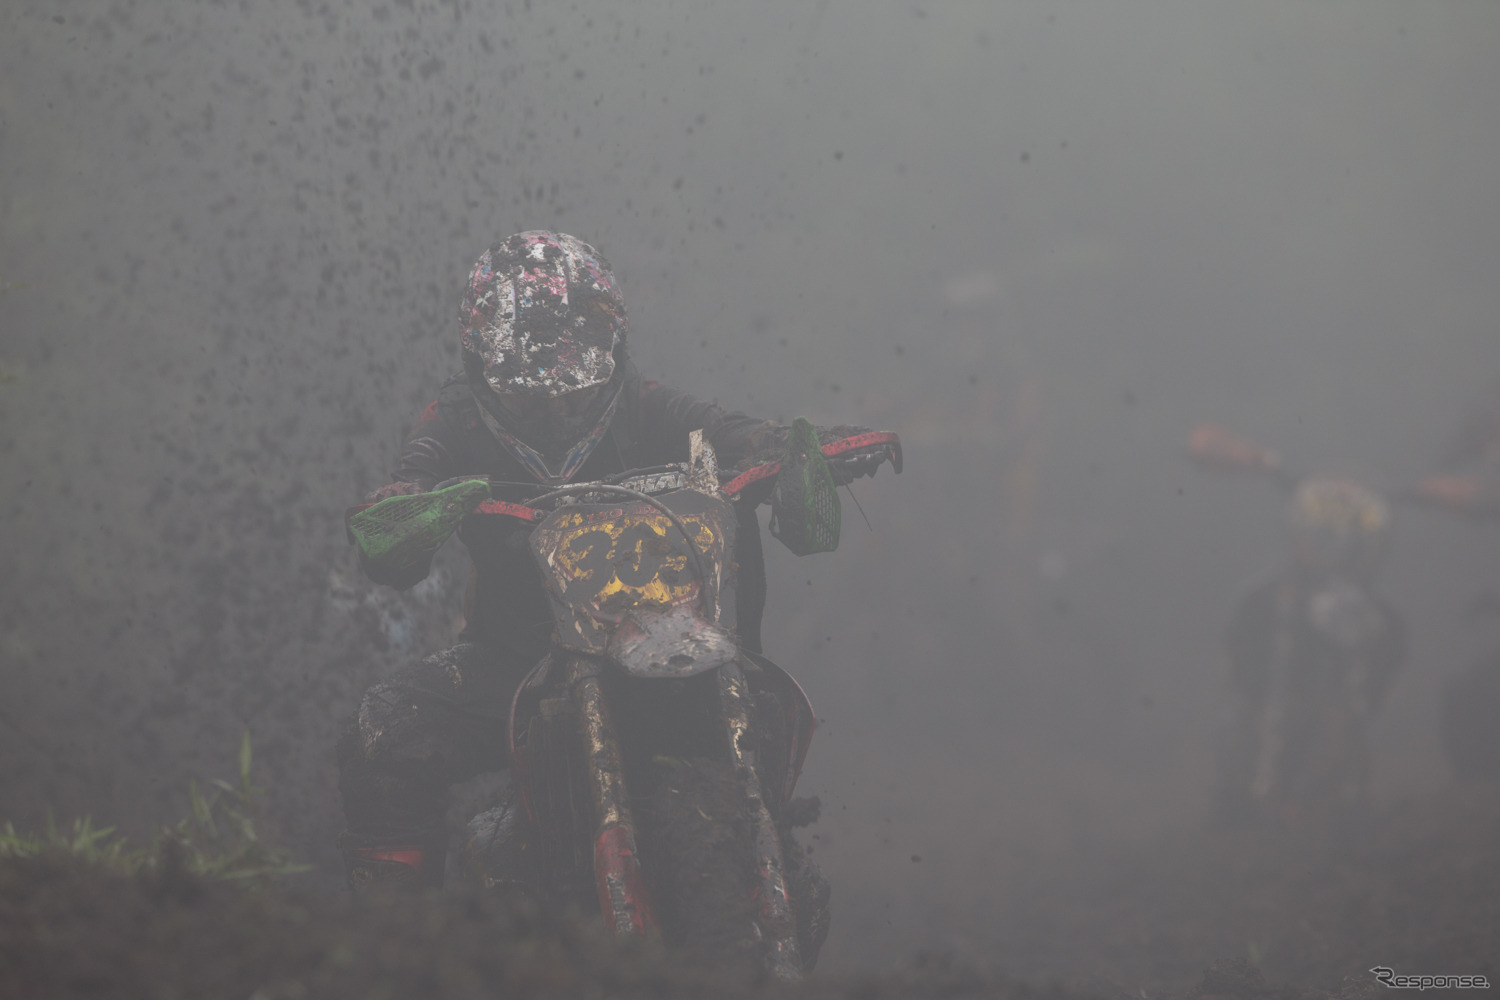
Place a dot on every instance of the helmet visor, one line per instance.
(551, 425)
(566, 410)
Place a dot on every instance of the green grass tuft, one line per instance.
(216, 840)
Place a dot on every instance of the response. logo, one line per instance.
(1387, 977)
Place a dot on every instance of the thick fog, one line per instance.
(1038, 241)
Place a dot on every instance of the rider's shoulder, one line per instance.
(454, 397)
(639, 394)
(452, 409)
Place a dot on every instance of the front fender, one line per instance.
(672, 642)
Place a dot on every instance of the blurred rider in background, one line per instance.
(1312, 654)
(547, 395)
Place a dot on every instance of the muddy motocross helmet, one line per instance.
(543, 329)
(1338, 528)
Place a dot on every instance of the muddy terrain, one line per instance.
(1282, 914)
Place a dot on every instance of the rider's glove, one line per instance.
(397, 489)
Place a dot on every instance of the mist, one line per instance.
(1038, 241)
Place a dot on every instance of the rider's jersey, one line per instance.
(1333, 642)
(508, 607)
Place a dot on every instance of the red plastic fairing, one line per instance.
(870, 439)
(412, 857)
(623, 898)
(867, 440)
(510, 510)
(744, 479)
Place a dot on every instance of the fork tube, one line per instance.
(776, 921)
(623, 897)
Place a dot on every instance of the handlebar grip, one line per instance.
(1212, 445)
(1465, 495)
(842, 449)
(889, 446)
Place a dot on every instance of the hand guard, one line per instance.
(399, 535)
(805, 502)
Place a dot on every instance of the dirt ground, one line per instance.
(1287, 913)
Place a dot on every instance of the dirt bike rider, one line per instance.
(1312, 654)
(548, 394)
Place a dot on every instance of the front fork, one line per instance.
(623, 897)
(776, 922)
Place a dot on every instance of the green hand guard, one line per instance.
(402, 532)
(805, 505)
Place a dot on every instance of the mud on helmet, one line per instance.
(1338, 527)
(543, 324)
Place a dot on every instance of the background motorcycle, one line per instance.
(1312, 652)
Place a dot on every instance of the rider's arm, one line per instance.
(740, 441)
(668, 416)
(435, 447)
(432, 453)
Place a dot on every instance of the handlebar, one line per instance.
(876, 446)
(1217, 448)
(848, 453)
(419, 522)
(1472, 496)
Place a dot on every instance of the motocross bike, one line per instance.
(1312, 651)
(655, 758)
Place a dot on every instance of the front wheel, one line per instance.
(810, 894)
(695, 825)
